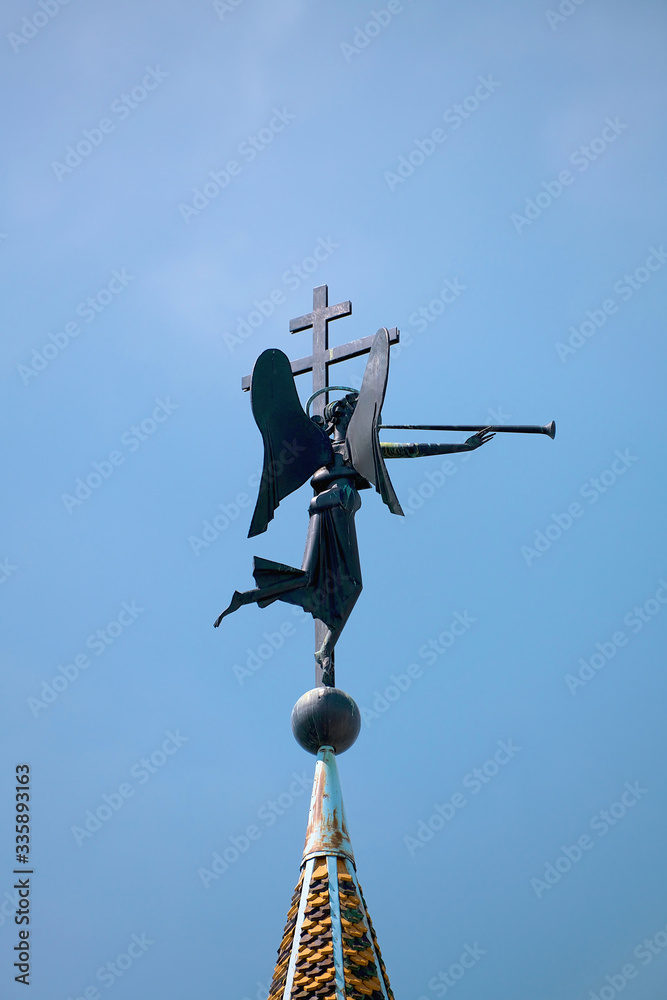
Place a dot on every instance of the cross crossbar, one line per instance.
(323, 355)
(352, 350)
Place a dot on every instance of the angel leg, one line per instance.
(324, 655)
(258, 595)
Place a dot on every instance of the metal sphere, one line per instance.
(326, 717)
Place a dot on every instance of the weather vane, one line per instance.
(340, 448)
(329, 950)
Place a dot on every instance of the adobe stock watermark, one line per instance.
(131, 439)
(141, 772)
(224, 7)
(31, 25)
(7, 569)
(591, 491)
(566, 8)
(645, 952)
(261, 992)
(211, 529)
(421, 318)
(436, 478)
(9, 906)
(268, 815)
(108, 973)
(292, 279)
(625, 287)
(474, 781)
(377, 22)
(454, 116)
(248, 149)
(443, 982)
(227, 514)
(98, 642)
(430, 652)
(88, 309)
(601, 824)
(580, 158)
(635, 620)
(121, 108)
(273, 641)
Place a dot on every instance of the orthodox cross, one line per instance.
(323, 355)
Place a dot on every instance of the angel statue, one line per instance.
(342, 453)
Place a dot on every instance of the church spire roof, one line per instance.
(329, 950)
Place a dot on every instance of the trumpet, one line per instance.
(548, 429)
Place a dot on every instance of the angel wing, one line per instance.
(294, 446)
(363, 439)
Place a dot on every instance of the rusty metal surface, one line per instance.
(326, 832)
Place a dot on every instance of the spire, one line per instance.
(327, 829)
(329, 950)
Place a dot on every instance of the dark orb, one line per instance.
(326, 717)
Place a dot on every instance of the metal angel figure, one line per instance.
(343, 454)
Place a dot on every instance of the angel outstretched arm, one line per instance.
(390, 450)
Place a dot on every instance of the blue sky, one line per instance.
(489, 178)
